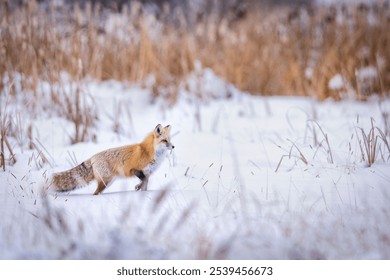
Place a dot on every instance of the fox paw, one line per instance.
(138, 187)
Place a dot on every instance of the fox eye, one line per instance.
(164, 141)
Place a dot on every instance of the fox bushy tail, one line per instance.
(76, 177)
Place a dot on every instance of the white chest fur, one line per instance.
(159, 156)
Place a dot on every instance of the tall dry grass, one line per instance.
(273, 51)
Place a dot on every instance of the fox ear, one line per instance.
(168, 128)
(158, 129)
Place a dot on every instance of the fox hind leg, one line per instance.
(101, 187)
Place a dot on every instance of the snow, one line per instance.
(250, 177)
(336, 82)
(367, 73)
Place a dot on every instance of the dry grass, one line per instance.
(277, 51)
(291, 154)
(5, 123)
(372, 144)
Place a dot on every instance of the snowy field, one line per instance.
(250, 177)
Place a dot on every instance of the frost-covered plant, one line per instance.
(373, 143)
(4, 127)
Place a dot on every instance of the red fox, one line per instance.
(138, 160)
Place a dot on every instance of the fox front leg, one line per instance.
(143, 186)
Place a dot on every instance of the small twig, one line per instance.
(9, 149)
(326, 140)
(52, 163)
(302, 157)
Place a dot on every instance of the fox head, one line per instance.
(162, 139)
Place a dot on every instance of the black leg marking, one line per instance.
(138, 186)
(143, 186)
(140, 174)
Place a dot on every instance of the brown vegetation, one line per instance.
(280, 51)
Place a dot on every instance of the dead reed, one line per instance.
(280, 51)
(5, 124)
(372, 144)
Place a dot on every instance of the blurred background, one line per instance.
(321, 48)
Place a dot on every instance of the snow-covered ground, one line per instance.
(250, 177)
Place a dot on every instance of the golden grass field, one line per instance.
(264, 51)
